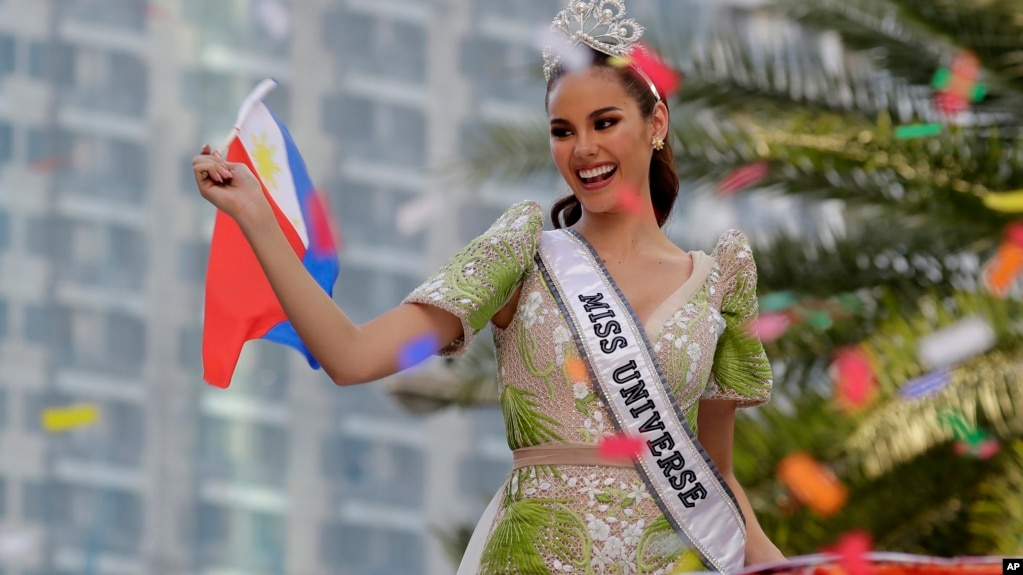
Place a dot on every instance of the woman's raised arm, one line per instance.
(349, 353)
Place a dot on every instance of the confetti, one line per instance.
(768, 326)
(984, 449)
(855, 384)
(17, 543)
(275, 18)
(577, 371)
(778, 301)
(812, 484)
(962, 430)
(323, 239)
(574, 57)
(956, 343)
(417, 350)
(60, 419)
(415, 215)
(743, 177)
(1007, 202)
(917, 131)
(1000, 273)
(620, 447)
(925, 385)
(630, 200)
(666, 79)
(852, 549)
(1014, 234)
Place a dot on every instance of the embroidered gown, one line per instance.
(588, 519)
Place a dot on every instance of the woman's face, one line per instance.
(600, 141)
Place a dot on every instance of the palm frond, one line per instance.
(997, 517)
(985, 389)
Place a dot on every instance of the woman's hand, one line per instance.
(230, 186)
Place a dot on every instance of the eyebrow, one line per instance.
(593, 115)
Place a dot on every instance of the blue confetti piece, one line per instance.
(417, 350)
(927, 384)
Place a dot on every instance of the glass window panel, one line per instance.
(8, 54)
(126, 341)
(4, 314)
(6, 142)
(5, 230)
(52, 61)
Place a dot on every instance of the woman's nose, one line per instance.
(585, 147)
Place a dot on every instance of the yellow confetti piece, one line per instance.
(1007, 202)
(60, 419)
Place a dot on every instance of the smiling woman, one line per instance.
(623, 116)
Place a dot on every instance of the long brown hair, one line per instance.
(663, 176)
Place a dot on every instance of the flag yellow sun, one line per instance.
(263, 156)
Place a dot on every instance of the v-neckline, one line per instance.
(652, 326)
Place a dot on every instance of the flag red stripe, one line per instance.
(240, 304)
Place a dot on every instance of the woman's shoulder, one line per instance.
(733, 250)
(520, 224)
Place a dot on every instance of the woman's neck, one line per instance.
(619, 237)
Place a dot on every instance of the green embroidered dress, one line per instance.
(586, 519)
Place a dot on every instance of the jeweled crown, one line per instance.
(600, 24)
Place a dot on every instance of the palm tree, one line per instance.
(822, 93)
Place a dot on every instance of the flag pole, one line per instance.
(255, 96)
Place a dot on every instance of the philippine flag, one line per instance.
(240, 304)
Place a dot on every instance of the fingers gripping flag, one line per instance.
(240, 304)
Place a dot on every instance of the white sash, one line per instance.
(678, 472)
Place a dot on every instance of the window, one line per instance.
(242, 451)
(6, 143)
(47, 324)
(373, 471)
(126, 341)
(190, 348)
(369, 550)
(52, 61)
(8, 56)
(192, 257)
(3, 318)
(46, 147)
(5, 230)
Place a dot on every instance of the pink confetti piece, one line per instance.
(769, 326)
(852, 551)
(619, 447)
(417, 350)
(950, 104)
(665, 78)
(985, 449)
(1014, 233)
(743, 177)
(854, 379)
(629, 200)
(323, 237)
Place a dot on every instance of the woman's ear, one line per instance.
(661, 121)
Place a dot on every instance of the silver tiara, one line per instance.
(600, 24)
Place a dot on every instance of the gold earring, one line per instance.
(658, 144)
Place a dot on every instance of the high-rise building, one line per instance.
(103, 240)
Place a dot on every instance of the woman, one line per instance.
(567, 507)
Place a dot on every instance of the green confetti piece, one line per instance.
(941, 78)
(820, 320)
(979, 91)
(917, 131)
(777, 301)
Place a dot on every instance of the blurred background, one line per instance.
(871, 159)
